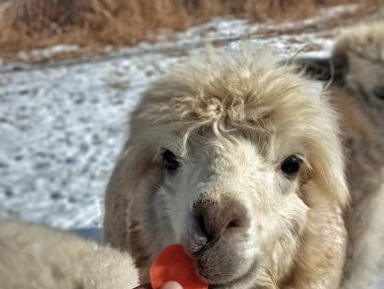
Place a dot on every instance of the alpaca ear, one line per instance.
(327, 162)
(316, 68)
(324, 69)
(133, 165)
(324, 238)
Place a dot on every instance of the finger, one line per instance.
(172, 285)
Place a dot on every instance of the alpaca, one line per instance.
(238, 158)
(356, 69)
(37, 257)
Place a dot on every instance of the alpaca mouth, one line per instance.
(217, 262)
(218, 276)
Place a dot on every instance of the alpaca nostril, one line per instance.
(234, 224)
(201, 223)
(202, 226)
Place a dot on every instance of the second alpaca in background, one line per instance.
(356, 69)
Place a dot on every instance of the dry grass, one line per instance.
(26, 24)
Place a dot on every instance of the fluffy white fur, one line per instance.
(37, 257)
(356, 70)
(231, 120)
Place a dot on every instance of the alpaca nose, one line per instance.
(220, 218)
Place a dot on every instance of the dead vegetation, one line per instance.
(29, 24)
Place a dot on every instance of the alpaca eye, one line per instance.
(379, 92)
(170, 161)
(291, 165)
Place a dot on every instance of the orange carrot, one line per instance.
(173, 264)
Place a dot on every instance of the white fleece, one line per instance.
(33, 256)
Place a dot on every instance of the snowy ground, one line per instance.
(62, 124)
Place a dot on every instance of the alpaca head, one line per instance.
(357, 67)
(360, 53)
(227, 155)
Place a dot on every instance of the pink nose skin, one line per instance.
(220, 218)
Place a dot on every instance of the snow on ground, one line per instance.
(61, 129)
(62, 125)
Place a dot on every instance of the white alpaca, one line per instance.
(238, 158)
(37, 257)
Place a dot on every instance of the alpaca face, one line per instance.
(234, 205)
(237, 158)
